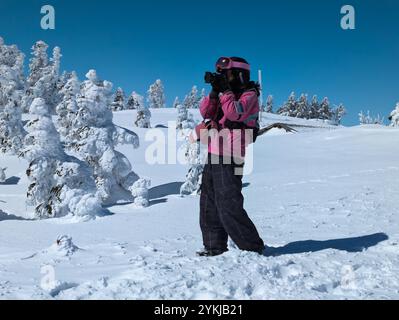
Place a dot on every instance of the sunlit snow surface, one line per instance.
(325, 199)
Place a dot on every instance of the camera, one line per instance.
(214, 78)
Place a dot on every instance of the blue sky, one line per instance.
(299, 45)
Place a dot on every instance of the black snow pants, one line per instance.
(222, 211)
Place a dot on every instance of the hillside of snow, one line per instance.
(325, 200)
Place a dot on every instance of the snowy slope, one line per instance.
(326, 200)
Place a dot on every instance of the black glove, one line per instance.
(221, 85)
(214, 94)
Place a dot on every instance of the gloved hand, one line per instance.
(221, 85)
(214, 94)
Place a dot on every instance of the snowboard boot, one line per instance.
(210, 253)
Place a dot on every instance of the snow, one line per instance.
(325, 201)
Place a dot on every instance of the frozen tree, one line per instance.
(314, 108)
(60, 184)
(12, 84)
(134, 101)
(94, 137)
(140, 192)
(269, 104)
(156, 95)
(184, 118)
(379, 120)
(3, 176)
(43, 80)
(192, 100)
(176, 103)
(119, 100)
(365, 118)
(192, 185)
(143, 119)
(338, 114)
(12, 132)
(394, 117)
(302, 107)
(66, 110)
(289, 108)
(203, 94)
(38, 64)
(325, 112)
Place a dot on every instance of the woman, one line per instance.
(232, 108)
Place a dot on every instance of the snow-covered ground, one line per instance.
(325, 199)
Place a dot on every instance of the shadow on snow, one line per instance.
(10, 181)
(349, 245)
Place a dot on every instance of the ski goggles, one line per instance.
(226, 64)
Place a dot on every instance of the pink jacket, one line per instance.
(244, 109)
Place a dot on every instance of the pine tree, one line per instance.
(3, 176)
(43, 80)
(143, 119)
(339, 113)
(365, 119)
(67, 109)
(325, 112)
(314, 108)
(394, 117)
(60, 184)
(192, 185)
(176, 103)
(269, 104)
(302, 108)
(119, 100)
(94, 138)
(156, 95)
(289, 108)
(184, 118)
(192, 100)
(203, 94)
(12, 84)
(132, 102)
(38, 64)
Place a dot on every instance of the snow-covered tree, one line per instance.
(140, 192)
(176, 103)
(338, 114)
(60, 184)
(156, 95)
(12, 84)
(132, 102)
(314, 108)
(325, 112)
(269, 104)
(119, 100)
(394, 117)
(302, 107)
(289, 108)
(365, 118)
(3, 176)
(67, 109)
(43, 80)
(94, 137)
(184, 118)
(192, 185)
(203, 94)
(192, 100)
(143, 119)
